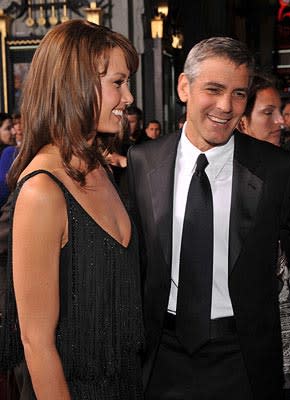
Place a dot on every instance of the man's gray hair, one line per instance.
(224, 47)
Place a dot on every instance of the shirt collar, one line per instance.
(217, 156)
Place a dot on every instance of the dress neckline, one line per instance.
(64, 188)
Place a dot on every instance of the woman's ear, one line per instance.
(183, 87)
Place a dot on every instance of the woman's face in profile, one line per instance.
(6, 131)
(115, 93)
(266, 119)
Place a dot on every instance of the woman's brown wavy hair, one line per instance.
(62, 94)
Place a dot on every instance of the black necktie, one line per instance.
(196, 263)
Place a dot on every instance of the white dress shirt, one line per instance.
(219, 172)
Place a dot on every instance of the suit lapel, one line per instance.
(162, 182)
(246, 192)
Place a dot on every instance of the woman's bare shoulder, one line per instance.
(40, 192)
(40, 210)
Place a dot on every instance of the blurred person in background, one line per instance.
(262, 118)
(286, 131)
(17, 128)
(135, 120)
(133, 131)
(286, 114)
(180, 121)
(6, 134)
(153, 129)
(8, 386)
(8, 156)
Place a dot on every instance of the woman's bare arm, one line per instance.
(38, 229)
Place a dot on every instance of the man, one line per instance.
(134, 116)
(153, 129)
(209, 238)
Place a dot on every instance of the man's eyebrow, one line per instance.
(213, 83)
(221, 86)
(243, 89)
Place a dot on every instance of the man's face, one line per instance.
(133, 123)
(153, 130)
(215, 101)
(286, 115)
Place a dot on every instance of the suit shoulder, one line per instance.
(255, 148)
(156, 146)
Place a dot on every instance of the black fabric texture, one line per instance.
(100, 333)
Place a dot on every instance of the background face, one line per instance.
(153, 130)
(134, 123)
(266, 120)
(6, 131)
(286, 115)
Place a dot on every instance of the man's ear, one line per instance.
(242, 125)
(183, 87)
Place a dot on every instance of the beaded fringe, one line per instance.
(100, 332)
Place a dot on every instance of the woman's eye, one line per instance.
(268, 112)
(118, 83)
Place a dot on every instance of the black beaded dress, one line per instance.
(99, 334)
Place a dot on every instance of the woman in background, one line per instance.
(7, 157)
(6, 137)
(262, 118)
(74, 247)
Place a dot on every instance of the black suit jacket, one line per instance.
(259, 215)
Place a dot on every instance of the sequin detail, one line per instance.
(100, 333)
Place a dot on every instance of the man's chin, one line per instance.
(220, 139)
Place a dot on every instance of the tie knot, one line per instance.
(201, 163)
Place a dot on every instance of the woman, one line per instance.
(7, 157)
(17, 129)
(262, 118)
(74, 247)
(6, 137)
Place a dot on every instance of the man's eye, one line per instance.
(241, 95)
(212, 90)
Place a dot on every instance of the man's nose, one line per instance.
(225, 103)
